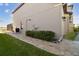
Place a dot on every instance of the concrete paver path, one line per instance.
(66, 47)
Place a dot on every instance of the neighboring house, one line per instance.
(68, 17)
(10, 27)
(56, 17)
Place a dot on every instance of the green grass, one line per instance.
(70, 36)
(10, 46)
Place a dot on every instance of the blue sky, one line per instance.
(6, 9)
(5, 13)
(76, 13)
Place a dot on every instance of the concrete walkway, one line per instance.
(66, 47)
(77, 38)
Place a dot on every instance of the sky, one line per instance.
(6, 13)
(76, 13)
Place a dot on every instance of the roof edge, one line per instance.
(17, 8)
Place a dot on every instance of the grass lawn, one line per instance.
(70, 36)
(10, 46)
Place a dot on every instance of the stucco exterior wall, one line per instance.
(41, 15)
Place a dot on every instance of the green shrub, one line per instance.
(44, 35)
(70, 36)
(76, 29)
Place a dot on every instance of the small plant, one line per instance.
(76, 29)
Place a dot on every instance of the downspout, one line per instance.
(62, 31)
(62, 25)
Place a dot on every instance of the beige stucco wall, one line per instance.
(71, 25)
(42, 15)
(68, 24)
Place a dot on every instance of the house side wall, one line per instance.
(41, 16)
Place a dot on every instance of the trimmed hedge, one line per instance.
(44, 35)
